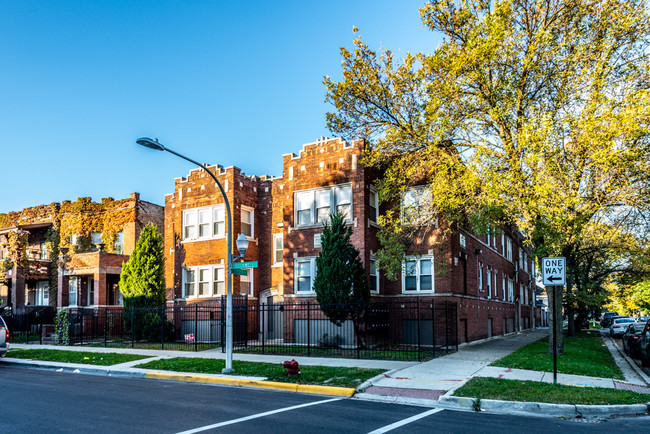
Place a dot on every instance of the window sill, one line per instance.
(195, 240)
(317, 225)
(417, 292)
(278, 265)
(305, 294)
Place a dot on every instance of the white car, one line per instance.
(619, 325)
(4, 337)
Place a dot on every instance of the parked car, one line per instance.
(619, 325)
(644, 345)
(4, 337)
(606, 319)
(632, 339)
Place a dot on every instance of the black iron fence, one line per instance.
(404, 330)
(28, 324)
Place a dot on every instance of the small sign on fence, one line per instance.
(189, 338)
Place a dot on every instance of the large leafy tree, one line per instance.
(142, 281)
(341, 283)
(531, 113)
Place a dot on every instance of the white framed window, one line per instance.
(503, 244)
(480, 276)
(204, 223)
(511, 290)
(496, 286)
(521, 259)
(204, 281)
(526, 262)
(73, 239)
(304, 270)
(417, 275)
(278, 249)
(314, 207)
(463, 241)
(246, 283)
(524, 290)
(488, 238)
(218, 281)
(374, 277)
(42, 296)
(44, 254)
(503, 287)
(247, 221)
(508, 249)
(373, 204)
(73, 290)
(415, 201)
(119, 243)
(91, 292)
(488, 281)
(188, 283)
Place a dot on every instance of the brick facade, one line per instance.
(330, 167)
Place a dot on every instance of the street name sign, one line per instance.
(241, 265)
(240, 272)
(554, 271)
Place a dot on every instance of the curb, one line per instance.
(366, 384)
(261, 384)
(543, 409)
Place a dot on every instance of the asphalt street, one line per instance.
(38, 401)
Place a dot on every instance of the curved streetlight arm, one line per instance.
(153, 144)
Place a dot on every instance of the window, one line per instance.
(204, 282)
(304, 271)
(480, 277)
(72, 290)
(189, 283)
(73, 239)
(42, 293)
(508, 249)
(414, 202)
(43, 251)
(374, 277)
(525, 294)
(91, 292)
(525, 262)
(246, 283)
(488, 238)
(489, 282)
(204, 223)
(247, 224)
(119, 243)
(417, 275)
(314, 207)
(496, 286)
(210, 280)
(278, 249)
(218, 281)
(503, 244)
(373, 200)
(463, 241)
(503, 287)
(511, 290)
(96, 237)
(521, 259)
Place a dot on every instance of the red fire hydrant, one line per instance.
(292, 368)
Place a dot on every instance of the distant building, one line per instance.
(490, 278)
(70, 254)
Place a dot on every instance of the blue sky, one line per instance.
(232, 83)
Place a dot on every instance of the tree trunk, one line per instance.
(555, 312)
(572, 325)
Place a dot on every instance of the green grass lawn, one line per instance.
(83, 357)
(321, 375)
(585, 354)
(534, 391)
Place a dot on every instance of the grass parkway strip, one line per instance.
(82, 357)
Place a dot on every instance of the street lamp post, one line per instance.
(154, 144)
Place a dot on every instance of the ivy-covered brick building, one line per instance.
(69, 253)
(490, 278)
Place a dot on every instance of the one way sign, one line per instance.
(554, 271)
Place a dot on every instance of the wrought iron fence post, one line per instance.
(105, 329)
(308, 331)
(162, 327)
(433, 326)
(419, 330)
(196, 327)
(263, 327)
(132, 327)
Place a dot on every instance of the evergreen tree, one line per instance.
(142, 281)
(340, 284)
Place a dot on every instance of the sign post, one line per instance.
(554, 278)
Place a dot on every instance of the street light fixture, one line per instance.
(154, 144)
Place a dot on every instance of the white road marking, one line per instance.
(403, 422)
(255, 416)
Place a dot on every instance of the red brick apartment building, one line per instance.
(70, 253)
(490, 278)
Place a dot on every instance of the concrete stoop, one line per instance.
(544, 409)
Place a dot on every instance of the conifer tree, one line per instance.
(142, 281)
(341, 284)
